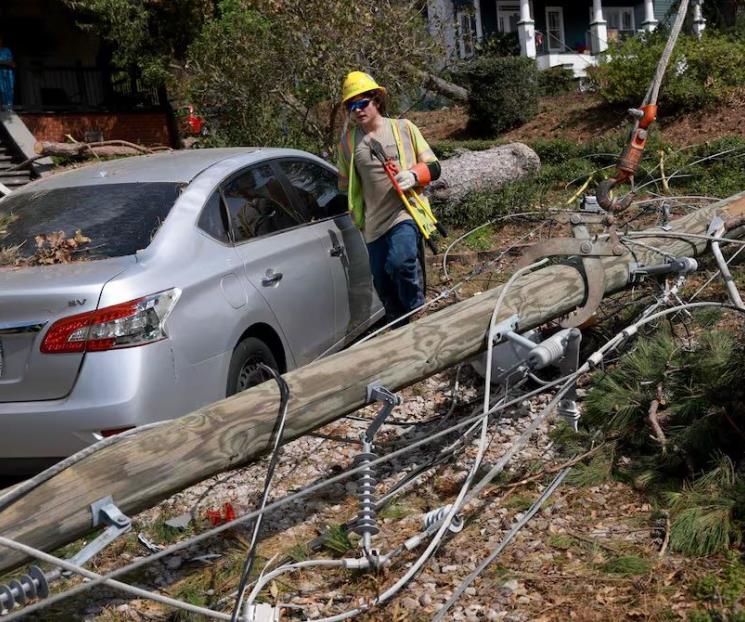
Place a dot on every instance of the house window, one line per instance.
(620, 19)
(466, 20)
(508, 15)
(555, 28)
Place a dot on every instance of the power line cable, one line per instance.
(124, 587)
(537, 504)
(270, 506)
(454, 508)
(592, 361)
(284, 392)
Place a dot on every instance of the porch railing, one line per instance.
(80, 88)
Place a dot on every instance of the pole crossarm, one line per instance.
(144, 468)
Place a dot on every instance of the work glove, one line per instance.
(406, 180)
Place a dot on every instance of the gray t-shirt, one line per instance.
(383, 206)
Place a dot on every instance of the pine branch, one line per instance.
(653, 418)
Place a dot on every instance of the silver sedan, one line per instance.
(201, 264)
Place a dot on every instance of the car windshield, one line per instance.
(119, 219)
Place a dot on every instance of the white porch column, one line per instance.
(526, 30)
(649, 23)
(598, 28)
(699, 22)
(441, 24)
(479, 24)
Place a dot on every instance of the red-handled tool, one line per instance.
(419, 212)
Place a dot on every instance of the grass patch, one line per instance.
(163, 534)
(627, 565)
(394, 511)
(519, 503)
(723, 594)
(194, 594)
(563, 542)
(299, 552)
(500, 572)
(597, 471)
(336, 539)
(480, 240)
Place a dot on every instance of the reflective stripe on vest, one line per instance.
(407, 156)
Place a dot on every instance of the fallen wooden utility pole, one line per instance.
(143, 469)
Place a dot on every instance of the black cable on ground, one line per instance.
(284, 393)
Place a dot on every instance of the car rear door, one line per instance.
(285, 260)
(315, 187)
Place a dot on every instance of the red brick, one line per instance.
(143, 128)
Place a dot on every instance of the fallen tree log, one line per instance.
(439, 85)
(143, 469)
(106, 148)
(483, 170)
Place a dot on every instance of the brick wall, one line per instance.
(143, 128)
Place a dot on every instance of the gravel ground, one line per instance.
(561, 566)
(325, 453)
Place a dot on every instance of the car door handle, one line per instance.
(336, 250)
(271, 278)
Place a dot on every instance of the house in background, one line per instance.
(555, 32)
(65, 84)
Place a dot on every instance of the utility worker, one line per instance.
(392, 235)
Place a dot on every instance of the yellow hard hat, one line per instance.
(358, 82)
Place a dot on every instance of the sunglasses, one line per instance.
(360, 104)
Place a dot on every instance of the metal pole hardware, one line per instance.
(35, 584)
(590, 251)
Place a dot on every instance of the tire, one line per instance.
(243, 372)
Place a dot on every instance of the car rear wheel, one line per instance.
(244, 371)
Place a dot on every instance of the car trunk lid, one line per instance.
(33, 298)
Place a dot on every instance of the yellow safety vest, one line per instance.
(412, 148)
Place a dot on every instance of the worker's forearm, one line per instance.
(426, 172)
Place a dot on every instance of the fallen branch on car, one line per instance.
(104, 148)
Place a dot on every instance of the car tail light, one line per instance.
(125, 325)
(115, 431)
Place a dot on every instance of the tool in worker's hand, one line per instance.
(418, 212)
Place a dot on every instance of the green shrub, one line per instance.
(701, 72)
(481, 206)
(499, 44)
(556, 150)
(504, 92)
(703, 512)
(336, 539)
(718, 174)
(703, 169)
(556, 80)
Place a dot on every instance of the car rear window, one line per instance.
(119, 219)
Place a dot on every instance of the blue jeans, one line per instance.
(397, 274)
